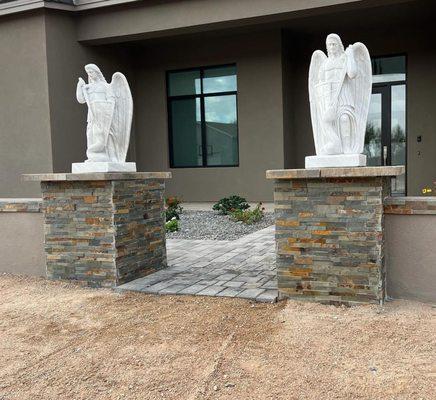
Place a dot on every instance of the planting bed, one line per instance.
(213, 226)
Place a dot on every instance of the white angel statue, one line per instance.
(110, 110)
(339, 92)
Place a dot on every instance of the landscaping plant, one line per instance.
(172, 225)
(173, 209)
(249, 216)
(227, 205)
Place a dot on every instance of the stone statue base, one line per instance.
(103, 229)
(330, 233)
(84, 167)
(338, 160)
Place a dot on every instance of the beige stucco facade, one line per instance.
(44, 50)
(22, 243)
(25, 140)
(410, 257)
(260, 113)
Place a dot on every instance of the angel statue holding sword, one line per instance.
(339, 92)
(110, 110)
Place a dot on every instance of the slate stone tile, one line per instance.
(173, 289)
(268, 296)
(229, 292)
(193, 289)
(211, 290)
(251, 293)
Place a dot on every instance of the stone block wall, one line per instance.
(103, 233)
(329, 236)
(411, 205)
(139, 228)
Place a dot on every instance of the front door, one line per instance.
(385, 139)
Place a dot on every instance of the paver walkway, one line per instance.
(242, 268)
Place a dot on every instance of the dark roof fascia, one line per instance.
(17, 6)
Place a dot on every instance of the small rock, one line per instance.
(215, 388)
(229, 385)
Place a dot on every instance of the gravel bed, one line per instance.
(211, 225)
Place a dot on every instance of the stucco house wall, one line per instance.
(410, 257)
(25, 142)
(45, 52)
(260, 112)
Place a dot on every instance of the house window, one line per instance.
(202, 117)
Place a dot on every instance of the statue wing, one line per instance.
(122, 117)
(318, 58)
(362, 85)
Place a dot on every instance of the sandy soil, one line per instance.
(59, 341)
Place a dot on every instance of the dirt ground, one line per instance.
(59, 341)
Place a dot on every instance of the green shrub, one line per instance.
(249, 216)
(171, 213)
(230, 204)
(172, 225)
(173, 209)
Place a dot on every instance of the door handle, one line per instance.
(385, 155)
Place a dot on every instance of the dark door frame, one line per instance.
(385, 89)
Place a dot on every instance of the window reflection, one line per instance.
(373, 131)
(398, 134)
(186, 127)
(222, 79)
(221, 130)
(387, 111)
(388, 69)
(184, 83)
(203, 117)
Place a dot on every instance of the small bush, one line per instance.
(172, 225)
(171, 213)
(173, 202)
(249, 216)
(173, 209)
(230, 204)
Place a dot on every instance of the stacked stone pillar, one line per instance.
(103, 229)
(330, 233)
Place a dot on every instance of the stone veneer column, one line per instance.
(103, 229)
(330, 233)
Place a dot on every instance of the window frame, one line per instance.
(200, 96)
(390, 84)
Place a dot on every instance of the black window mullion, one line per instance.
(386, 122)
(203, 122)
(203, 126)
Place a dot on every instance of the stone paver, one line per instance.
(243, 268)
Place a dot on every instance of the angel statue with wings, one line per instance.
(339, 93)
(110, 110)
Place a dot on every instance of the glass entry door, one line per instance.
(385, 139)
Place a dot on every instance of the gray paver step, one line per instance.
(243, 268)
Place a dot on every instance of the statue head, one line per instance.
(334, 45)
(94, 73)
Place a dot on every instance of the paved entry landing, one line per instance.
(243, 268)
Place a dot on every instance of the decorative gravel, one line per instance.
(211, 225)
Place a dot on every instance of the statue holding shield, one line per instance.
(339, 93)
(110, 111)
